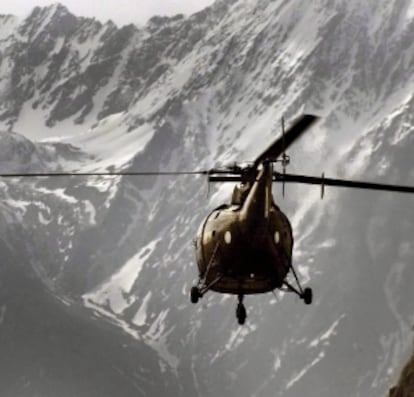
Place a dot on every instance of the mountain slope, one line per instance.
(49, 347)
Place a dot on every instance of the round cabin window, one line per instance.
(277, 237)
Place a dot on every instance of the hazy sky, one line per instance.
(120, 11)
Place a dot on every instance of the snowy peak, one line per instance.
(54, 20)
(19, 155)
(8, 24)
(80, 70)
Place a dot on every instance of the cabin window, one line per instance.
(227, 237)
(277, 237)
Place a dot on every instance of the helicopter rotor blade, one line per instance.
(280, 145)
(103, 174)
(225, 178)
(312, 180)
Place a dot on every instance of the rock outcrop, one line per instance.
(405, 385)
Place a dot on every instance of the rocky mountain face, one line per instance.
(405, 385)
(96, 272)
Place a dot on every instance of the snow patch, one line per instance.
(329, 243)
(91, 211)
(331, 331)
(110, 142)
(403, 131)
(141, 315)
(237, 336)
(410, 11)
(115, 291)
(301, 373)
(43, 220)
(60, 193)
(8, 24)
(361, 158)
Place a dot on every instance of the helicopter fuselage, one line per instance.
(244, 262)
(245, 247)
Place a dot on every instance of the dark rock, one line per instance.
(405, 385)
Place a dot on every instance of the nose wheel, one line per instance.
(241, 311)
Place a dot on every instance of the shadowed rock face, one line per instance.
(405, 385)
(49, 348)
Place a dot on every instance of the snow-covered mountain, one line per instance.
(114, 255)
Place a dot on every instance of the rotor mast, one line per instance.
(255, 209)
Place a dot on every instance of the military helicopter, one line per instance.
(245, 247)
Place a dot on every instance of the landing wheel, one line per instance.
(307, 296)
(195, 294)
(241, 313)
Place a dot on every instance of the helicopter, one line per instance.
(245, 247)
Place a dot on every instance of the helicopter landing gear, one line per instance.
(307, 295)
(241, 311)
(195, 294)
(202, 287)
(198, 291)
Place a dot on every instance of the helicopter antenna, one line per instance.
(285, 157)
(208, 186)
